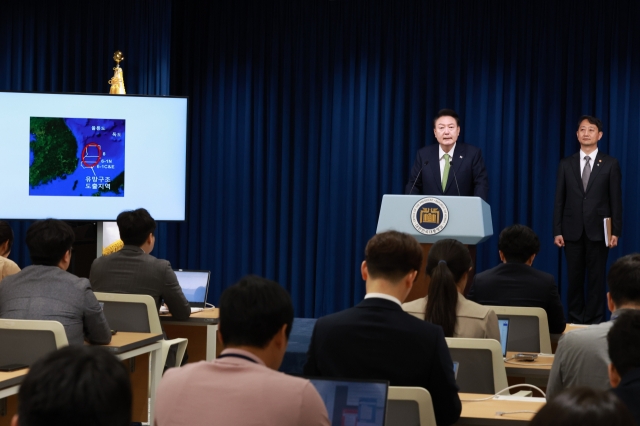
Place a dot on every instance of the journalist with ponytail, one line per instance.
(448, 266)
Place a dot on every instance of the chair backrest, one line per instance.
(481, 365)
(130, 312)
(528, 328)
(409, 406)
(26, 341)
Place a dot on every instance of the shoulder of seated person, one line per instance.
(417, 306)
(585, 334)
(469, 309)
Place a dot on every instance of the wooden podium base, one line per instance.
(421, 284)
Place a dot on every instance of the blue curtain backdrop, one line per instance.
(304, 113)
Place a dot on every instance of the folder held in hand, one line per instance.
(607, 230)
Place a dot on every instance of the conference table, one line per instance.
(126, 347)
(9, 386)
(10, 382)
(539, 368)
(146, 347)
(485, 412)
(200, 328)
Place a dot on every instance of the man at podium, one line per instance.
(450, 167)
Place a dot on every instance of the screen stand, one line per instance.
(99, 245)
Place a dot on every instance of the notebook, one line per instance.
(503, 326)
(195, 286)
(353, 402)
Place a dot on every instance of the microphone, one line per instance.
(454, 175)
(415, 181)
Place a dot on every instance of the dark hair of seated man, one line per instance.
(623, 280)
(253, 311)
(624, 343)
(135, 226)
(6, 238)
(75, 386)
(518, 243)
(48, 241)
(583, 406)
(392, 255)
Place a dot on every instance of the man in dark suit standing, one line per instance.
(515, 282)
(450, 167)
(378, 340)
(588, 189)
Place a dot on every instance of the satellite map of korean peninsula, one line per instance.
(76, 157)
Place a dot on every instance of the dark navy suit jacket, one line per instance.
(467, 167)
(518, 284)
(629, 392)
(376, 339)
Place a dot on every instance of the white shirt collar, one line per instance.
(441, 153)
(383, 296)
(592, 155)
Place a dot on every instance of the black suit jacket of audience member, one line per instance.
(518, 284)
(629, 392)
(378, 340)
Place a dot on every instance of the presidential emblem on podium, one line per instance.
(429, 216)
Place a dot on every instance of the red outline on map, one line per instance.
(85, 152)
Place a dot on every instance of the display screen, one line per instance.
(503, 325)
(351, 402)
(90, 157)
(194, 285)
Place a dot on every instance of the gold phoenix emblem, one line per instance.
(430, 215)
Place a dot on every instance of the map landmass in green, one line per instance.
(54, 150)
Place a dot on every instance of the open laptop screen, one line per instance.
(503, 325)
(353, 402)
(195, 285)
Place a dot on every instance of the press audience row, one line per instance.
(380, 338)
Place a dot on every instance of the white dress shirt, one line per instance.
(441, 154)
(583, 162)
(383, 296)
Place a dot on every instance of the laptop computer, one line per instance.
(503, 326)
(353, 402)
(195, 286)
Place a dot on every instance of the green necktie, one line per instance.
(445, 174)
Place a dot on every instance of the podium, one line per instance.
(433, 218)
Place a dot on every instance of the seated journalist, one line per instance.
(75, 386)
(46, 291)
(624, 352)
(582, 357)
(132, 270)
(515, 282)
(583, 406)
(242, 386)
(448, 266)
(376, 339)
